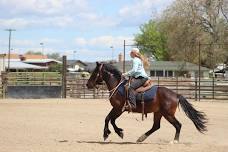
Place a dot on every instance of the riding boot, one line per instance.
(132, 100)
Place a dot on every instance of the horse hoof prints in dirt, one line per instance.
(163, 104)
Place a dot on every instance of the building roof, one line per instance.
(72, 62)
(165, 65)
(22, 65)
(90, 66)
(176, 66)
(2, 55)
(41, 61)
(34, 56)
(26, 56)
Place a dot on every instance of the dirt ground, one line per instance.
(58, 125)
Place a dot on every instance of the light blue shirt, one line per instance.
(137, 69)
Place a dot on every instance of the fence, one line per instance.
(34, 79)
(76, 88)
(195, 89)
(2, 90)
(33, 85)
(190, 88)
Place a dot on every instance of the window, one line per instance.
(152, 73)
(170, 73)
(159, 73)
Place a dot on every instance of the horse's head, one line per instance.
(96, 77)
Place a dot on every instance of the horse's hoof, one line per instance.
(105, 137)
(121, 134)
(174, 142)
(106, 134)
(142, 138)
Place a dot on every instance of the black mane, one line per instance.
(113, 70)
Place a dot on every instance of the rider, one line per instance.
(137, 72)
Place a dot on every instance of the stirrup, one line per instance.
(128, 108)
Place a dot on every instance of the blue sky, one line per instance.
(88, 27)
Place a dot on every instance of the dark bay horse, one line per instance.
(164, 104)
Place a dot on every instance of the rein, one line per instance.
(98, 74)
(114, 89)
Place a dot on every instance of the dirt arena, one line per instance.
(57, 125)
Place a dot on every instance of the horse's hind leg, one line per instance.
(176, 124)
(156, 126)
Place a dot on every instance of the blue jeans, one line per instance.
(138, 82)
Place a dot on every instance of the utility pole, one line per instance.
(112, 47)
(10, 31)
(124, 56)
(42, 47)
(74, 52)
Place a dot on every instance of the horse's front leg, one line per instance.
(118, 130)
(113, 114)
(106, 128)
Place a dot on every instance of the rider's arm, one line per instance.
(134, 68)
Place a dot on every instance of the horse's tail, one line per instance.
(198, 118)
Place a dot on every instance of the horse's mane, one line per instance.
(113, 70)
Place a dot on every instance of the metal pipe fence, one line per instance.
(209, 88)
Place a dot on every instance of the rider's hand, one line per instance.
(124, 74)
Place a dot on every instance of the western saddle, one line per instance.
(146, 86)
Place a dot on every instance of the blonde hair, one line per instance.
(144, 59)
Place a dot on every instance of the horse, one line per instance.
(164, 104)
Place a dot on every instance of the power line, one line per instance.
(10, 31)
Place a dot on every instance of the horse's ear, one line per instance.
(98, 63)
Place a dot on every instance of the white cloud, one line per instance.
(60, 21)
(80, 41)
(103, 41)
(51, 41)
(76, 13)
(44, 7)
(138, 12)
(27, 43)
(13, 23)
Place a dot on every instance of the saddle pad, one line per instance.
(147, 95)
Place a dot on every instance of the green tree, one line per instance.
(54, 56)
(34, 52)
(188, 22)
(152, 41)
(176, 34)
(55, 68)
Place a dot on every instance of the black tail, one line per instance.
(198, 118)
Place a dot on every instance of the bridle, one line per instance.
(99, 75)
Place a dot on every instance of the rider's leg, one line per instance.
(138, 82)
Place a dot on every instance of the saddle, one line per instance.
(146, 86)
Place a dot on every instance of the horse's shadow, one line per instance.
(130, 143)
(109, 142)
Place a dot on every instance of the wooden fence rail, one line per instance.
(34, 79)
(2, 88)
(1, 91)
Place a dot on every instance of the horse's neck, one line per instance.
(111, 82)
